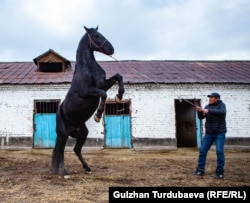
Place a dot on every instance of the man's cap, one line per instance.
(214, 94)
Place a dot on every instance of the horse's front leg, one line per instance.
(96, 92)
(108, 84)
(100, 109)
(111, 81)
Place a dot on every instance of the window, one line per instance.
(51, 67)
(51, 62)
(46, 106)
(113, 108)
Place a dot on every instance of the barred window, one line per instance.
(46, 106)
(113, 108)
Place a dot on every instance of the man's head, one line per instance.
(214, 97)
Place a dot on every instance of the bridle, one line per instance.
(91, 41)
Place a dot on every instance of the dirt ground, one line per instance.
(25, 175)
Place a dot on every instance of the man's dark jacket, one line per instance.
(215, 118)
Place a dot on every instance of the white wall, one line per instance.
(153, 110)
(152, 107)
(17, 105)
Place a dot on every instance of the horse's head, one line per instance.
(98, 42)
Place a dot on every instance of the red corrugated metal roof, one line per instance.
(137, 72)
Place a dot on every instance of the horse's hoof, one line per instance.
(97, 119)
(87, 170)
(117, 100)
(66, 176)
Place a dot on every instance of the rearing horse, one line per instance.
(86, 94)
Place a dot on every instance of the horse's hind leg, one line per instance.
(58, 155)
(58, 151)
(80, 140)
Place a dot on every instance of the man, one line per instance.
(215, 132)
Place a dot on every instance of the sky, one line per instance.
(138, 29)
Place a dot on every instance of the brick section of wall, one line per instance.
(152, 109)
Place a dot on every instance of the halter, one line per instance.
(91, 41)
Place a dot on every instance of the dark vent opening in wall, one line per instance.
(46, 106)
(113, 108)
(51, 67)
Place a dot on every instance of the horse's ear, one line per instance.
(87, 29)
(96, 28)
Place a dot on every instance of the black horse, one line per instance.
(86, 94)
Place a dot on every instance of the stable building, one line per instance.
(158, 107)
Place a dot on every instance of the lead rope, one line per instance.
(145, 76)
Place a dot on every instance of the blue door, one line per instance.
(44, 130)
(198, 130)
(117, 131)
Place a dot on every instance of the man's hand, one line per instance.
(205, 111)
(199, 109)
